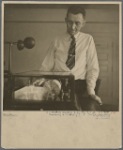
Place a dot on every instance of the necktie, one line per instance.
(71, 54)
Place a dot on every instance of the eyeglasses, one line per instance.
(70, 23)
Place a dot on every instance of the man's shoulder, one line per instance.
(65, 36)
(85, 35)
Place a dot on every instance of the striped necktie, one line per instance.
(71, 54)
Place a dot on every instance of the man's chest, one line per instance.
(62, 49)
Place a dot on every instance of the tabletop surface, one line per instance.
(39, 73)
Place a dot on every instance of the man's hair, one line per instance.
(75, 9)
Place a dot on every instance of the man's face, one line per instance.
(74, 23)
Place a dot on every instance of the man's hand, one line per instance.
(39, 82)
(96, 98)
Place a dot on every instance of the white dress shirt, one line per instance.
(86, 61)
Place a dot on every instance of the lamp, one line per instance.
(28, 43)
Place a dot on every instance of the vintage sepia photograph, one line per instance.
(61, 74)
(61, 57)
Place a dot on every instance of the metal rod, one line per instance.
(9, 58)
(12, 43)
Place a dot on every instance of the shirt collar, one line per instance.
(76, 35)
(68, 37)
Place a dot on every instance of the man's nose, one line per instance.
(73, 26)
